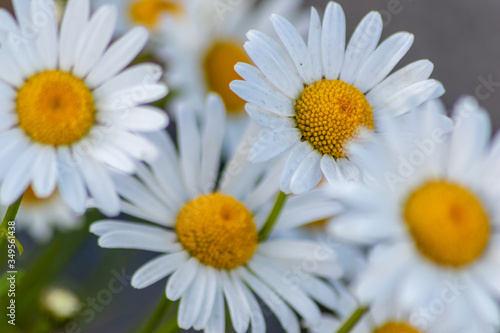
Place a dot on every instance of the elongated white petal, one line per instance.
(75, 19)
(383, 60)
(157, 269)
(296, 47)
(94, 39)
(333, 40)
(45, 172)
(314, 45)
(308, 174)
(44, 17)
(181, 279)
(363, 42)
(118, 56)
(273, 144)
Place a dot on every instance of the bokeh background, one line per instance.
(461, 38)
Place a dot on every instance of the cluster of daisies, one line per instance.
(306, 176)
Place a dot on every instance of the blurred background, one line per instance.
(460, 37)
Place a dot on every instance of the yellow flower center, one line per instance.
(448, 223)
(329, 114)
(217, 230)
(219, 71)
(148, 12)
(396, 327)
(55, 108)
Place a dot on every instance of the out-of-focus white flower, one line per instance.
(430, 215)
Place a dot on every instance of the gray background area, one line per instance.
(460, 37)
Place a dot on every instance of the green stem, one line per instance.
(353, 320)
(169, 327)
(11, 216)
(273, 217)
(158, 315)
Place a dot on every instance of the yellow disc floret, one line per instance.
(396, 327)
(219, 71)
(448, 223)
(148, 12)
(329, 114)
(55, 108)
(218, 230)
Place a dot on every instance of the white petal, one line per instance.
(308, 174)
(45, 18)
(314, 45)
(191, 303)
(157, 269)
(7, 121)
(363, 42)
(262, 97)
(330, 169)
(45, 172)
(273, 144)
(114, 158)
(300, 251)
(268, 61)
(237, 304)
(76, 16)
(295, 297)
(211, 144)
(285, 315)
(190, 149)
(128, 80)
(278, 56)
(135, 145)
(217, 321)
(413, 96)
(256, 318)
(103, 227)
(118, 56)
(166, 168)
(268, 120)
(7, 22)
(415, 72)
(209, 299)
(140, 118)
(19, 175)
(70, 182)
(297, 155)
(470, 136)
(296, 47)
(383, 60)
(149, 239)
(9, 70)
(100, 186)
(333, 40)
(94, 39)
(181, 279)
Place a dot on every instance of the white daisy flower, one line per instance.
(430, 214)
(69, 110)
(202, 48)
(40, 217)
(316, 96)
(145, 13)
(207, 234)
(385, 317)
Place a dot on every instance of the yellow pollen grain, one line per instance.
(55, 108)
(219, 71)
(218, 230)
(448, 223)
(330, 113)
(396, 327)
(149, 12)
